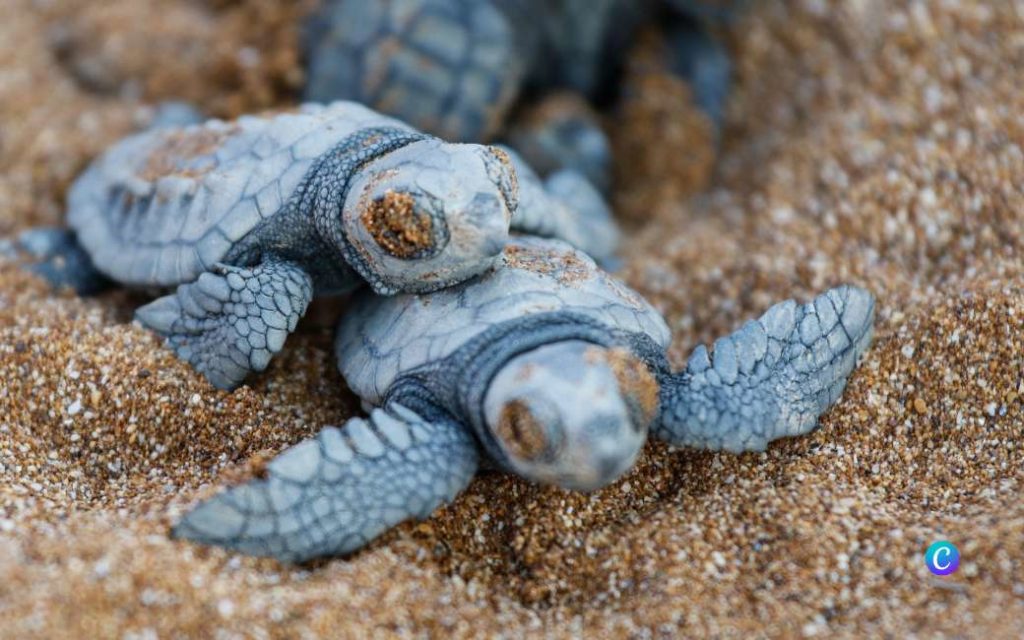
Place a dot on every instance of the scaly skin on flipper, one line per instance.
(551, 369)
(335, 493)
(588, 223)
(231, 322)
(770, 379)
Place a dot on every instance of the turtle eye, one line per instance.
(406, 226)
(524, 435)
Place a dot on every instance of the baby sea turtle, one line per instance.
(458, 68)
(544, 366)
(249, 219)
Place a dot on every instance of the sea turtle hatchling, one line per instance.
(544, 366)
(249, 219)
(462, 68)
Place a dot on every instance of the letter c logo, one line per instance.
(942, 558)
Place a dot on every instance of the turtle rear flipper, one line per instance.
(230, 323)
(771, 379)
(334, 493)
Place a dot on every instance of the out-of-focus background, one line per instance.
(879, 142)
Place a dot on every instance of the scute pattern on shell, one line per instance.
(165, 205)
(380, 338)
(450, 67)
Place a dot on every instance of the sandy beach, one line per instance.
(872, 142)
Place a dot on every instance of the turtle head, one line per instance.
(571, 413)
(429, 215)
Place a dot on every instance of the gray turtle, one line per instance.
(248, 219)
(544, 366)
(459, 68)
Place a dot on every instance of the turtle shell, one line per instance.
(163, 206)
(381, 338)
(450, 67)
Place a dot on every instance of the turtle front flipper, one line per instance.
(230, 323)
(772, 378)
(334, 493)
(565, 206)
(55, 255)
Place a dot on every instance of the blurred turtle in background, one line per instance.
(528, 71)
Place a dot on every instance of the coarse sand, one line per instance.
(872, 141)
